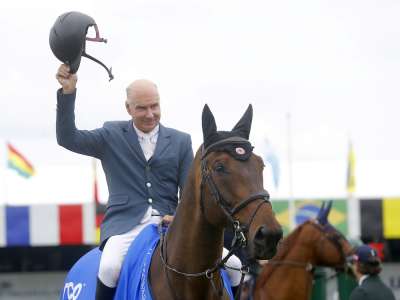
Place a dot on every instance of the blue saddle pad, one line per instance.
(80, 282)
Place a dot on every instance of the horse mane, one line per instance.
(193, 179)
(283, 249)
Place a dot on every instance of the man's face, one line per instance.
(355, 268)
(144, 109)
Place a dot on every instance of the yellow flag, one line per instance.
(351, 179)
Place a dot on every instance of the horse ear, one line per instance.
(321, 209)
(242, 128)
(328, 209)
(323, 218)
(208, 123)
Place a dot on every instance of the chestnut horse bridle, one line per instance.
(332, 235)
(240, 231)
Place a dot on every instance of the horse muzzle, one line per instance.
(265, 242)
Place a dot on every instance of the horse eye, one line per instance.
(220, 168)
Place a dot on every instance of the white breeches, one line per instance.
(115, 250)
(117, 246)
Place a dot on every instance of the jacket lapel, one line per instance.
(132, 139)
(162, 142)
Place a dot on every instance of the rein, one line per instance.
(240, 231)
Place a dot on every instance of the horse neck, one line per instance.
(299, 251)
(282, 280)
(193, 244)
(291, 251)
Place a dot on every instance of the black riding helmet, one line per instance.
(68, 39)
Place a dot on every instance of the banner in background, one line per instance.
(380, 219)
(371, 219)
(47, 225)
(281, 209)
(308, 208)
(391, 218)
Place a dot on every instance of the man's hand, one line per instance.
(166, 220)
(67, 80)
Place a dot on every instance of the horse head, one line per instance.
(332, 248)
(232, 192)
(314, 243)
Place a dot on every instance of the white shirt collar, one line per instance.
(362, 278)
(143, 135)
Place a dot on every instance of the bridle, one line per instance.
(240, 230)
(329, 233)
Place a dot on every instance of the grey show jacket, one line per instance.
(133, 182)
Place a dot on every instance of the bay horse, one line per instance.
(289, 275)
(224, 189)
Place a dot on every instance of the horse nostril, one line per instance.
(273, 236)
(262, 233)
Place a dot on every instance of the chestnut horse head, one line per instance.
(332, 248)
(315, 243)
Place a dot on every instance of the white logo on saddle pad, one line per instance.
(72, 290)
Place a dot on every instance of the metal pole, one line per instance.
(292, 209)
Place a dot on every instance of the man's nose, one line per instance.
(149, 113)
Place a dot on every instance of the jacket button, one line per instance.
(150, 201)
(148, 184)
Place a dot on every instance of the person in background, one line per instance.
(366, 268)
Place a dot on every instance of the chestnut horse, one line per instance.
(224, 188)
(289, 274)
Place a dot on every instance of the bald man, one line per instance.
(145, 164)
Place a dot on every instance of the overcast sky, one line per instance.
(333, 66)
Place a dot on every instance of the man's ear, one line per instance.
(127, 107)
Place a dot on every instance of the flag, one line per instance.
(272, 159)
(19, 163)
(351, 180)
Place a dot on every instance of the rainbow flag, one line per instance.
(19, 163)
